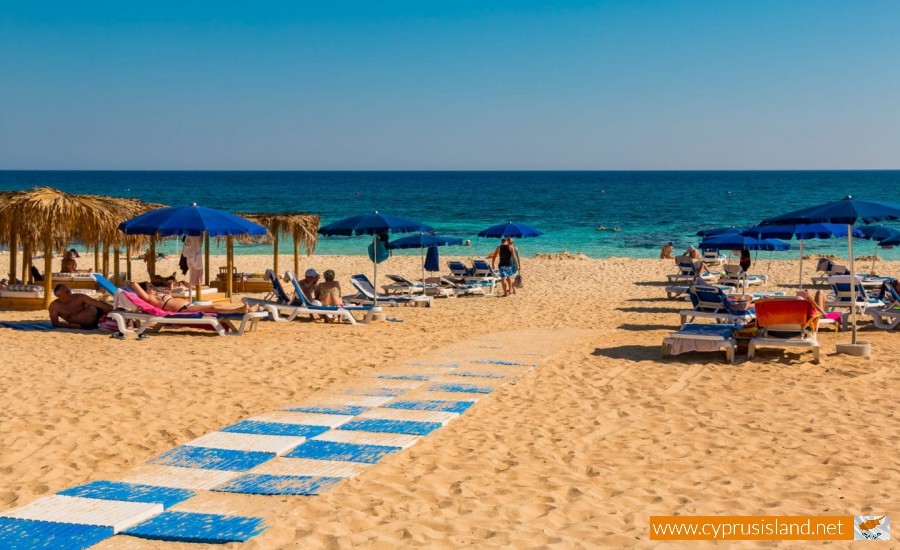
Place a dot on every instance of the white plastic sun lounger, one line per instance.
(224, 325)
(367, 295)
(700, 337)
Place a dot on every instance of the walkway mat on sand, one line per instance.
(432, 405)
(333, 450)
(195, 527)
(29, 534)
(115, 514)
(346, 410)
(208, 458)
(267, 484)
(130, 492)
(392, 426)
(464, 388)
(275, 428)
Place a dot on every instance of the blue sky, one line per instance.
(450, 85)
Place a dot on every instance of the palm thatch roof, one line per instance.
(303, 228)
(46, 213)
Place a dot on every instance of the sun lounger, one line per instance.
(458, 288)
(457, 269)
(368, 295)
(712, 303)
(282, 308)
(344, 312)
(785, 323)
(887, 316)
(735, 276)
(840, 296)
(712, 257)
(687, 271)
(826, 268)
(149, 318)
(701, 337)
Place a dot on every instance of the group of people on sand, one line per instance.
(80, 311)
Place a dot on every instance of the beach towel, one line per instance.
(28, 325)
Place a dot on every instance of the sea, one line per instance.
(640, 210)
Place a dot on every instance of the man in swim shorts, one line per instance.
(76, 310)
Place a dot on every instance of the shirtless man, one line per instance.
(76, 310)
(69, 265)
(168, 302)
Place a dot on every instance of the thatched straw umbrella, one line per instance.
(303, 229)
(52, 218)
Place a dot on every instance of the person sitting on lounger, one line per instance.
(76, 310)
(817, 305)
(69, 265)
(329, 291)
(308, 285)
(175, 304)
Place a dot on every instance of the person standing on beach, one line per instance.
(517, 264)
(506, 259)
(745, 259)
(666, 252)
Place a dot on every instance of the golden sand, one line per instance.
(578, 453)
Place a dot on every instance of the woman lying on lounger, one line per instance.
(176, 304)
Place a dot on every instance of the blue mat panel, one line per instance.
(466, 388)
(410, 427)
(404, 376)
(380, 392)
(499, 362)
(349, 452)
(130, 492)
(265, 484)
(432, 405)
(28, 325)
(430, 364)
(29, 534)
(479, 374)
(275, 428)
(348, 410)
(208, 458)
(195, 527)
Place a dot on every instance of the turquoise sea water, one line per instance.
(650, 208)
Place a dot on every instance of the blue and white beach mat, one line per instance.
(303, 449)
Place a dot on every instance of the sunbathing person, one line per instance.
(167, 282)
(817, 305)
(76, 310)
(178, 305)
(329, 291)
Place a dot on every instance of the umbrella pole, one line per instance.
(800, 286)
(375, 266)
(422, 256)
(128, 262)
(206, 258)
(852, 285)
(151, 260)
(197, 286)
(229, 265)
(874, 257)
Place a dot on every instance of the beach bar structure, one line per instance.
(48, 219)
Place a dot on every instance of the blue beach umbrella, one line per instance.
(736, 241)
(510, 229)
(847, 211)
(717, 231)
(879, 234)
(423, 241)
(373, 224)
(192, 221)
(802, 232)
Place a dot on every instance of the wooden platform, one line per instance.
(244, 286)
(21, 304)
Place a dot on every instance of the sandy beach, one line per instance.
(577, 453)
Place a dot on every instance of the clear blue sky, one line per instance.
(459, 84)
